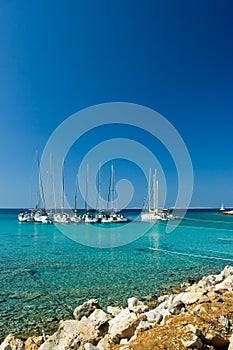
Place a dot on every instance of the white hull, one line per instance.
(61, 218)
(149, 217)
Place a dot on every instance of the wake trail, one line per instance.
(190, 255)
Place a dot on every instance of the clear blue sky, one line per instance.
(176, 57)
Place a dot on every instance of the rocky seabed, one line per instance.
(197, 316)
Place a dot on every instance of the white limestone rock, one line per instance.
(143, 326)
(136, 305)
(105, 343)
(123, 325)
(113, 310)
(12, 343)
(85, 309)
(228, 271)
(226, 284)
(99, 317)
(190, 297)
(72, 334)
(89, 346)
(154, 316)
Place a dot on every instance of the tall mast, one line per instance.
(37, 179)
(63, 187)
(53, 185)
(76, 193)
(98, 204)
(111, 189)
(154, 190)
(86, 196)
(149, 190)
(157, 195)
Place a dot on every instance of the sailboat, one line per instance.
(62, 217)
(37, 214)
(151, 211)
(88, 217)
(75, 218)
(222, 207)
(112, 215)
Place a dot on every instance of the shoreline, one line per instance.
(131, 327)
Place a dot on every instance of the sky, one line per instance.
(59, 57)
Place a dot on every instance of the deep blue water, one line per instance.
(45, 275)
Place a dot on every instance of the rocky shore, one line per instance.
(194, 316)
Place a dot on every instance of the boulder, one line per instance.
(99, 317)
(85, 309)
(89, 346)
(73, 334)
(123, 325)
(105, 343)
(12, 343)
(190, 297)
(136, 305)
(154, 316)
(226, 284)
(114, 311)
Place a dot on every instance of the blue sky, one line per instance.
(175, 57)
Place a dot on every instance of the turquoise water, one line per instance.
(45, 275)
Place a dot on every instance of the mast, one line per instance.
(86, 195)
(111, 189)
(154, 190)
(149, 190)
(98, 202)
(52, 179)
(75, 196)
(37, 179)
(39, 184)
(157, 195)
(63, 188)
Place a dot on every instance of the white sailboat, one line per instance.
(112, 215)
(62, 217)
(222, 207)
(37, 214)
(151, 211)
(75, 218)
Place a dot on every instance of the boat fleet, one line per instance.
(150, 213)
(90, 217)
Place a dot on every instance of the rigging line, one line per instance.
(190, 255)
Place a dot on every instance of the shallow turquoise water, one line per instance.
(45, 275)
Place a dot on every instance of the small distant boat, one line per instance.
(26, 216)
(222, 207)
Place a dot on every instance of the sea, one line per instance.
(45, 273)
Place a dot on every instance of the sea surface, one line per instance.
(44, 274)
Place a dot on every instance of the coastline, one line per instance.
(200, 312)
